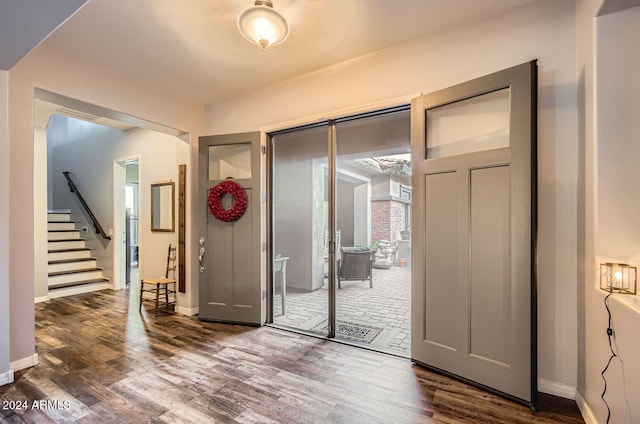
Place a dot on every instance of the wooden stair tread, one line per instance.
(73, 271)
(75, 249)
(63, 231)
(78, 283)
(66, 261)
(61, 222)
(57, 241)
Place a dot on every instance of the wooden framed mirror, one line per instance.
(163, 207)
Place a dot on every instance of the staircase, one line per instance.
(71, 268)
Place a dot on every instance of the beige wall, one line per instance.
(57, 71)
(5, 374)
(40, 234)
(587, 394)
(544, 30)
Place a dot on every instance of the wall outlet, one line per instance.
(85, 229)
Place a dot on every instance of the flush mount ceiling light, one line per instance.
(262, 25)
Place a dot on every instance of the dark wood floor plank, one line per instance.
(112, 364)
(73, 385)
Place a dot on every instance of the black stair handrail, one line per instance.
(96, 224)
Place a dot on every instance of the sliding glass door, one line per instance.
(373, 201)
(341, 196)
(300, 241)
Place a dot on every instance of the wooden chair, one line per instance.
(161, 286)
(355, 263)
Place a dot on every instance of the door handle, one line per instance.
(201, 255)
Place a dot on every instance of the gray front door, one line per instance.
(231, 255)
(473, 306)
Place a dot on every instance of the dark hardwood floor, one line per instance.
(100, 361)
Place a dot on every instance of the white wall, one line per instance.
(544, 30)
(88, 151)
(617, 217)
(618, 135)
(6, 376)
(588, 327)
(59, 72)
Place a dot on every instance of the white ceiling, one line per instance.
(193, 48)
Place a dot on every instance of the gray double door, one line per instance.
(473, 297)
(473, 231)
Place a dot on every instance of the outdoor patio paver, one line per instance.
(386, 306)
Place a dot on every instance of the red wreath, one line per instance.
(239, 201)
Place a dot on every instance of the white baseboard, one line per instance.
(20, 364)
(586, 412)
(187, 311)
(42, 299)
(6, 378)
(556, 389)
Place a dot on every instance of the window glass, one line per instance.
(470, 125)
(230, 161)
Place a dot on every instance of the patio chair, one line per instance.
(355, 263)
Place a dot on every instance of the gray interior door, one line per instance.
(230, 252)
(473, 302)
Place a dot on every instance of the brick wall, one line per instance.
(380, 220)
(386, 220)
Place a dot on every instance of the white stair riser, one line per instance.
(61, 226)
(58, 256)
(85, 288)
(69, 266)
(78, 276)
(63, 235)
(76, 244)
(58, 217)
